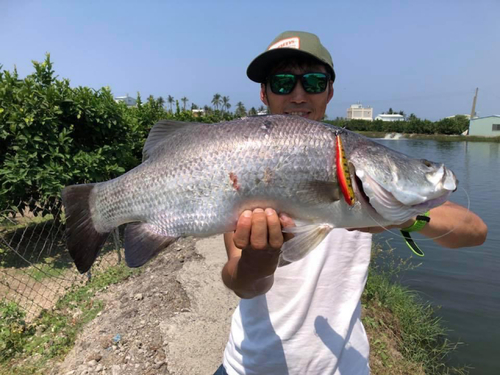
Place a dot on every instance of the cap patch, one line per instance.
(286, 43)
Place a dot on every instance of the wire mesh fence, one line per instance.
(35, 266)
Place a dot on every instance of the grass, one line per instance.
(405, 335)
(26, 349)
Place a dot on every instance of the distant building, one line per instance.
(129, 101)
(358, 112)
(468, 116)
(488, 126)
(198, 112)
(386, 117)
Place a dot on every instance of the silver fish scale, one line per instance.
(200, 178)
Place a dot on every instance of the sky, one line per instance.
(422, 57)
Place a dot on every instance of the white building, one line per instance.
(358, 112)
(198, 112)
(386, 117)
(488, 126)
(129, 101)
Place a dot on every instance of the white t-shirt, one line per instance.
(309, 322)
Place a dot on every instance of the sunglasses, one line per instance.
(284, 83)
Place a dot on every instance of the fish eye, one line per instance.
(427, 163)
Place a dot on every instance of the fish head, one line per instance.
(397, 186)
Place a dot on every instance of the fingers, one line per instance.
(260, 229)
(243, 227)
(274, 229)
(286, 221)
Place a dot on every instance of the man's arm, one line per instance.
(451, 226)
(253, 252)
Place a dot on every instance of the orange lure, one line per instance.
(343, 174)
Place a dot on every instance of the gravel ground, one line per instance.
(173, 318)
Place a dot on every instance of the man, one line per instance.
(304, 318)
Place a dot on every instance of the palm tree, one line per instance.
(262, 109)
(184, 100)
(160, 101)
(228, 105)
(225, 102)
(240, 109)
(216, 101)
(252, 112)
(170, 101)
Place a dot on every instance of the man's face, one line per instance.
(298, 102)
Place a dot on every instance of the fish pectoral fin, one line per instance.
(142, 243)
(305, 239)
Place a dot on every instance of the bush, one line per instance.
(52, 135)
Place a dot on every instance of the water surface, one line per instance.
(464, 282)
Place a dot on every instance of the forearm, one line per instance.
(250, 275)
(454, 226)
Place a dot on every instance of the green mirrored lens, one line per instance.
(282, 83)
(314, 82)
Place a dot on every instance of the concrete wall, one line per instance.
(483, 126)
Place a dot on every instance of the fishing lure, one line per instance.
(343, 174)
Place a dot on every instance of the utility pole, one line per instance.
(473, 112)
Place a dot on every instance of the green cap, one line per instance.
(288, 45)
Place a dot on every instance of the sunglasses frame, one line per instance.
(297, 78)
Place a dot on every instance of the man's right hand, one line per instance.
(253, 251)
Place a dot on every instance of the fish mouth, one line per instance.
(383, 203)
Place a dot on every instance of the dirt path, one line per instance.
(172, 319)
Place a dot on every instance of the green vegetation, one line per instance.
(25, 349)
(413, 125)
(405, 335)
(435, 137)
(52, 135)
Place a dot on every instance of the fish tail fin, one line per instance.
(82, 239)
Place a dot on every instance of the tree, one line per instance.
(240, 110)
(207, 109)
(225, 103)
(252, 112)
(216, 101)
(160, 101)
(184, 100)
(262, 109)
(170, 101)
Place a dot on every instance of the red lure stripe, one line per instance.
(343, 174)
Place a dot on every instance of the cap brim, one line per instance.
(261, 66)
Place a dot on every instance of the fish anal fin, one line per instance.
(142, 243)
(305, 239)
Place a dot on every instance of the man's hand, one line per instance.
(261, 230)
(253, 251)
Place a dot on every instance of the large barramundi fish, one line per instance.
(196, 179)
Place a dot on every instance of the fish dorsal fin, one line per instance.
(160, 131)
